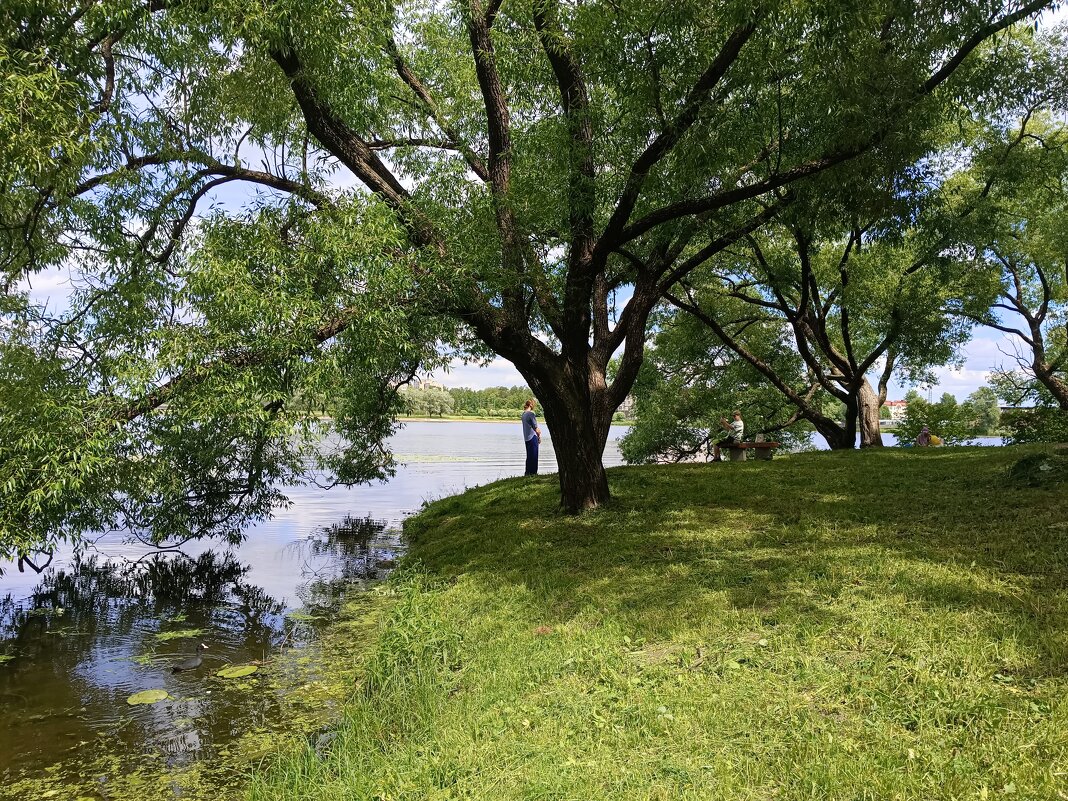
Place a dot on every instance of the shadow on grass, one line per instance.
(803, 540)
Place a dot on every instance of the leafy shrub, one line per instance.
(954, 423)
(1040, 424)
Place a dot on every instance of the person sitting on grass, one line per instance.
(735, 431)
(926, 438)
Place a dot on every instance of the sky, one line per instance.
(988, 349)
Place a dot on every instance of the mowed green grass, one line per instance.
(869, 625)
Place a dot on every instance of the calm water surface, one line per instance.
(93, 629)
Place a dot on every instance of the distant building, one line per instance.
(897, 409)
(426, 383)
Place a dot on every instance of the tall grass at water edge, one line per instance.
(887, 624)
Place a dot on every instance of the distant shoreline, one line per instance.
(455, 419)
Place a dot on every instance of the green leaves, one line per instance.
(273, 214)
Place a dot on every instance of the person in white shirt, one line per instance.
(735, 431)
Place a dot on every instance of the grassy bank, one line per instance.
(835, 625)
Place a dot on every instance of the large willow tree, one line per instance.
(525, 178)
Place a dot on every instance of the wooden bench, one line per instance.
(763, 450)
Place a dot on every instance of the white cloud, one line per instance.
(498, 373)
(988, 350)
(1053, 16)
(51, 287)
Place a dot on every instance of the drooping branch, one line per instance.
(132, 164)
(989, 323)
(204, 372)
(800, 400)
(211, 167)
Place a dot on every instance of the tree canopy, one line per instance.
(521, 178)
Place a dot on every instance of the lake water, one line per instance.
(95, 628)
(890, 440)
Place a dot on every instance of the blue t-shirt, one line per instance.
(530, 422)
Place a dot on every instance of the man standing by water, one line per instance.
(531, 436)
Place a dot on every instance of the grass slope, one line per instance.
(877, 625)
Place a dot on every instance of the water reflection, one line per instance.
(97, 630)
(343, 557)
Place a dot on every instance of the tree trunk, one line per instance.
(583, 482)
(837, 437)
(1057, 387)
(868, 416)
(579, 442)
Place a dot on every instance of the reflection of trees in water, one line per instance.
(74, 668)
(360, 551)
(349, 538)
(88, 590)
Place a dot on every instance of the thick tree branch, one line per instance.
(498, 127)
(991, 324)
(341, 141)
(980, 36)
(582, 200)
(574, 98)
(721, 243)
(614, 233)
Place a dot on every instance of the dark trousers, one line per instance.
(532, 457)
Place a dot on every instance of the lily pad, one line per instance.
(237, 671)
(6, 658)
(180, 634)
(147, 697)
